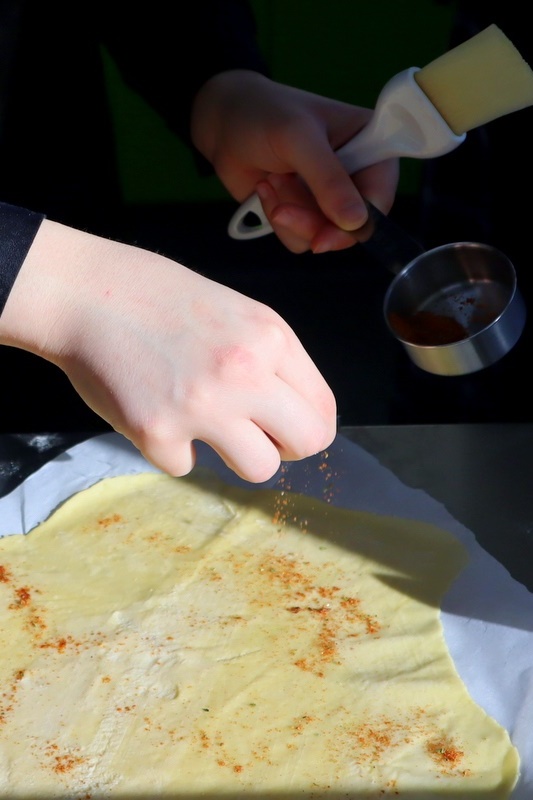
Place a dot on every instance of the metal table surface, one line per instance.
(482, 474)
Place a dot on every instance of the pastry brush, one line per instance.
(424, 113)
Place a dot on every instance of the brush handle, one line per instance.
(405, 123)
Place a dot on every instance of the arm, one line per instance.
(136, 335)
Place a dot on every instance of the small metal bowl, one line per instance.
(456, 309)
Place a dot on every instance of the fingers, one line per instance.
(295, 232)
(314, 432)
(286, 417)
(283, 425)
(302, 226)
(299, 221)
(252, 448)
(379, 182)
(330, 184)
(241, 444)
(175, 457)
(246, 450)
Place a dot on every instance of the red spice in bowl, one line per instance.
(427, 328)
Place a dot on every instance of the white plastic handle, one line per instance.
(240, 226)
(404, 123)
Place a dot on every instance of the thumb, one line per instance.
(331, 185)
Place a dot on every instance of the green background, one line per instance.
(341, 48)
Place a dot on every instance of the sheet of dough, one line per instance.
(173, 637)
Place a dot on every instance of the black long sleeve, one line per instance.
(57, 144)
(167, 56)
(18, 227)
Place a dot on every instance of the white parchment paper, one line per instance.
(487, 615)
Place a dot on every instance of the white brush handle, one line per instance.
(404, 123)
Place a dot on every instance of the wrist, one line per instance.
(36, 311)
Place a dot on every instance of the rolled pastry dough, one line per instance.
(175, 637)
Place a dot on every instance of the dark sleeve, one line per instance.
(18, 227)
(166, 52)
